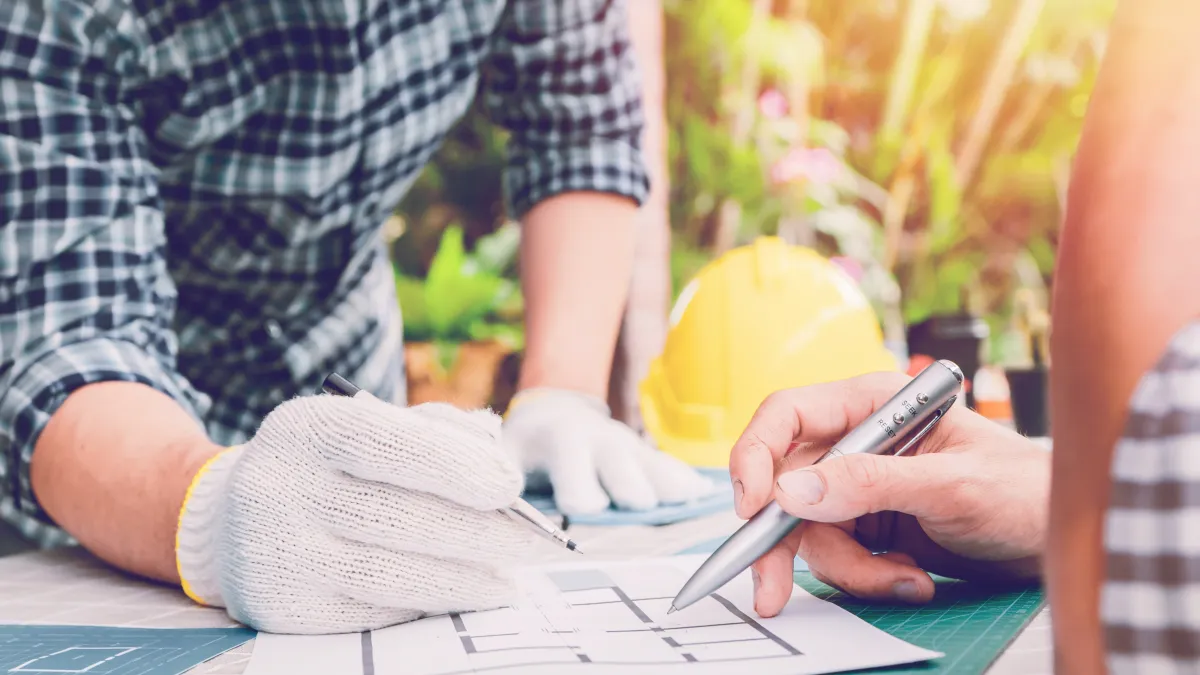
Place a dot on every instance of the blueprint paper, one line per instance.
(603, 617)
(101, 650)
(542, 499)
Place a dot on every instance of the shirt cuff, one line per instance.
(37, 391)
(610, 166)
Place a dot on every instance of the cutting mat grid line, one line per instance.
(98, 650)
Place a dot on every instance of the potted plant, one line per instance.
(462, 319)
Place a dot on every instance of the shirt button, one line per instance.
(274, 329)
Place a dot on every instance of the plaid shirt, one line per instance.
(192, 193)
(1150, 602)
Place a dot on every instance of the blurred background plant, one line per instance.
(924, 144)
(465, 296)
(462, 318)
(928, 142)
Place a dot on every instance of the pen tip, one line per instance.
(572, 546)
(672, 610)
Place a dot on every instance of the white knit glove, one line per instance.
(590, 460)
(343, 515)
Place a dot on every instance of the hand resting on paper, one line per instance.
(968, 502)
(348, 514)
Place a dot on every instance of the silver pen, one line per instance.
(520, 511)
(918, 406)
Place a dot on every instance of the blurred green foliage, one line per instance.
(928, 140)
(464, 296)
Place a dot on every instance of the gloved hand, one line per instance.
(590, 460)
(349, 514)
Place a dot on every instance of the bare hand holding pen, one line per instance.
(968, 502)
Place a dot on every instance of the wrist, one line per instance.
(199, 523)
(538, 376)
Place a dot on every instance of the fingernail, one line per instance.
(804, 486)
(907, 591)
(738, 490)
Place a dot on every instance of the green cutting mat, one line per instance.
(972, 624)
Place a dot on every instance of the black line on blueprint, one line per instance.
(623, 664)
(461, 629)
(525, 648)
(368, 656)
(721, 642)
(613, 602)
(631, 605)
(670, 628)
(756, 625)
(583, 658)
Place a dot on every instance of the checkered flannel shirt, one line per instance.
(192, 193)
(1150, 603)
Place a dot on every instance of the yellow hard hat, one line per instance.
(762, 317)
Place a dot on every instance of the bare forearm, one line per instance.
(645, 320)
(1123, 285)
(576, 260)
(112, 468)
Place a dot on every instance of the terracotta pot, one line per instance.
(468, 383)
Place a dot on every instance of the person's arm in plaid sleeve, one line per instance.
(94, 436)
(563, 79)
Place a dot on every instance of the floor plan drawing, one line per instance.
(599, 618)
(590, 608)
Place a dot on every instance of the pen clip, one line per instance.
(937, 417)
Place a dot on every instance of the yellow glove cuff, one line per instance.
(187, 496)
(522, 397)
(526, 395)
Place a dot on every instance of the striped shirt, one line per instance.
(192, 192)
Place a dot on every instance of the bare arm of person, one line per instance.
(1125, 282)
(96, 433)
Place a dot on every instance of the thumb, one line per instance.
(847, 487)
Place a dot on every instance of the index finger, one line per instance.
(818, 412)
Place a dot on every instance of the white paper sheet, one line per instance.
(602, 617)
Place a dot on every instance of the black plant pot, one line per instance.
(1029, 393)
(957, 337)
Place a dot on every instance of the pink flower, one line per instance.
(772, 104)
(849, 266)
(817, 165)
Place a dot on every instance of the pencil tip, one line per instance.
(669, 611)
(572, 546)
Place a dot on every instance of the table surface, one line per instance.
(70, 587)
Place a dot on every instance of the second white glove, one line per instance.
(591, 460)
